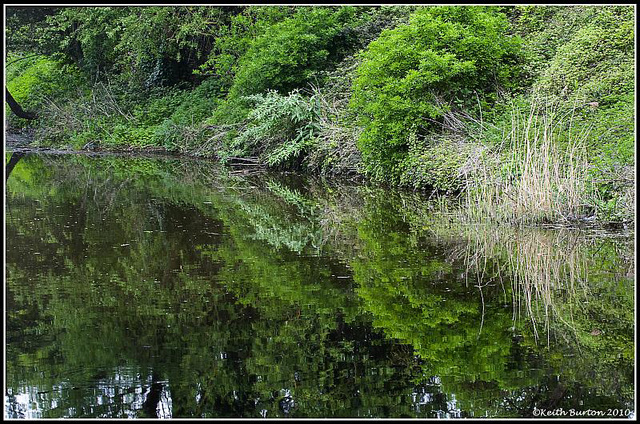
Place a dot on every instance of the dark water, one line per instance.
(140, 287)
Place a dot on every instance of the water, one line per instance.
(155, 287)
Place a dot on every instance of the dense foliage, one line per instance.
(419, 96)
(413, 75)
(291, 52)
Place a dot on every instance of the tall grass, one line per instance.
(541, 175)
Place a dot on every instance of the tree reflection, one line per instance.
(13, 161)
(150, 288)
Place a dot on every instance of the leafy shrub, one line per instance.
(446, 57)
(279, 129)
(233, 40)
(33, 82)
(284, 56)
(291, 52)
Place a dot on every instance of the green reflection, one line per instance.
(495, 311)
(155, 287)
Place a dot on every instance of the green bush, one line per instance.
(33, 82)
(290, 53)
(279, 129)
(233, 40)
(445, 58)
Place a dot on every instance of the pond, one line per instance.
(164, 287)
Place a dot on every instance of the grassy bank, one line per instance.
(525, 113)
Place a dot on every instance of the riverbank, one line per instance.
(21, 143)
(376, 94)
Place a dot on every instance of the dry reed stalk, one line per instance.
(549, 183)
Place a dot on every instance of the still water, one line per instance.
(156, 287)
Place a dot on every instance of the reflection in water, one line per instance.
(163, 288)
(13, 161)
(122, 395)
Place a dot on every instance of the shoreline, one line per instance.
(19, 143)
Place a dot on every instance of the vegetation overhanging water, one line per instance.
(158, 287)
(527, 110)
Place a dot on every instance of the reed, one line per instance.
(536, 179)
